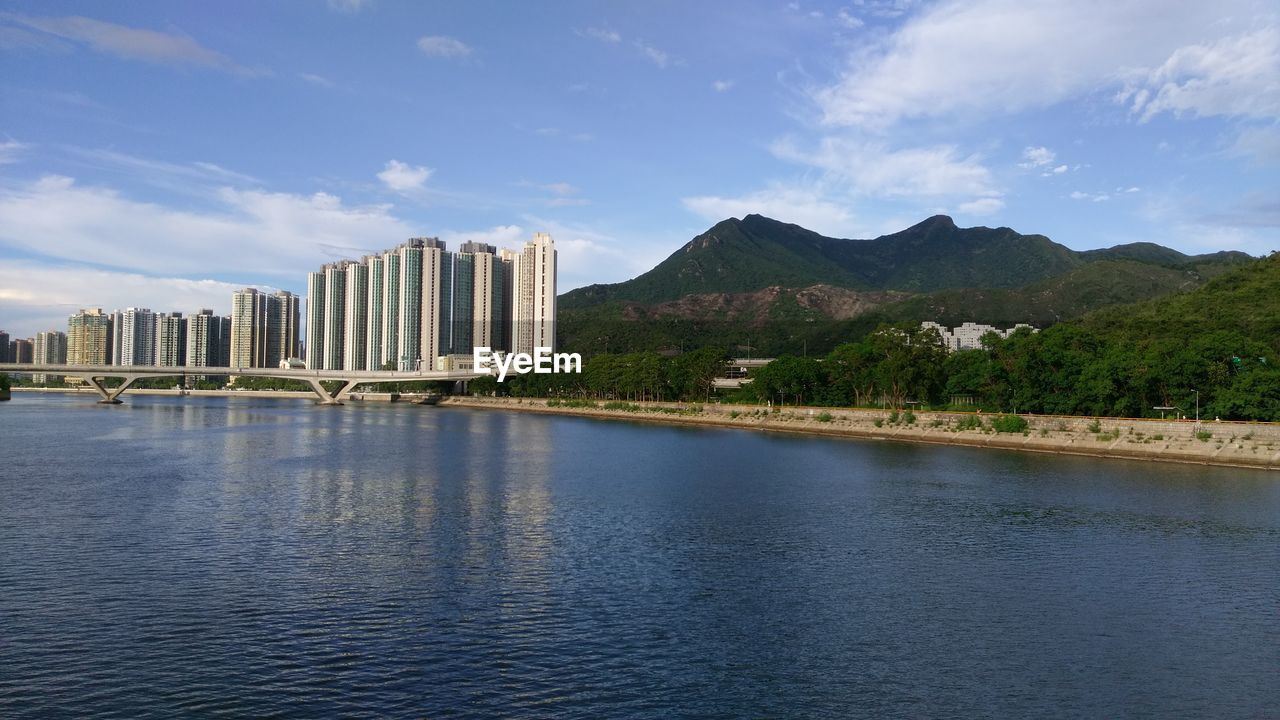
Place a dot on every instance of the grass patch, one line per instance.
(1009, 424)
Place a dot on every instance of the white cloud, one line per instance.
(874, 169)
(317, 80)
(350, 7)
(561, 188)
(848, 20)
(804, 206)
(658, 57)
(1095, 197)
(402, 177)
(1055, 171)
(39, 296)
(1035, 157)
(161, 172)
(10, 150)
(982, 206)
(130, 43)
(601, 34)
(1236, 76)
(589, 255)
(1259, 144)
(444, 47)
(273, 233)
(979, 57)
(722, 85)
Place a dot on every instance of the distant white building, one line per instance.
(968, 336)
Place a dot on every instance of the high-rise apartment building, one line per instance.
(89, 338)
(22, 351)
(138, 337)
(50, 348)
(171, 340)
(390, 308)
(375, 302)
(335, 316)
(414, 303)
(409, 319)
(264, 328)
(208, 340)
(457, 295)
(288, 325)
(315, 319)
(117, 338)
(534, 301)
(355, 323)
(6, 351)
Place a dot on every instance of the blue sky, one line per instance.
(162, 154)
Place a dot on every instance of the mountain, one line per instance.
(757, 252)
(1243, 301)
(788, 286)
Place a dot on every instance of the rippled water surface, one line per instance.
(258, 558)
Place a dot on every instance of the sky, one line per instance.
(164, 154)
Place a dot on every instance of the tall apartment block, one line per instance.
(534, 300)
(208, 340)
(289, 319)
(407, 306)
(264, 328)
(22, 351)
(171, 340)
(89, 338)
(50, 348)
(137, 337)
(6, 350)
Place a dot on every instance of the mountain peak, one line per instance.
(938, 222)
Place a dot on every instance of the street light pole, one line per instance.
(1197, 392)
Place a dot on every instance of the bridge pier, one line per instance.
(335, 398)
(110, 396)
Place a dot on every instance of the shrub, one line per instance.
(1009, 424)
(1203, 435)
(734, 413)
(968, 422)
(893, 417)
(909, 417)
(1095, 427)
(879, 422)
(824, 417)
(1157, 437)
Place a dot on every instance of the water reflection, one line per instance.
(279, 558)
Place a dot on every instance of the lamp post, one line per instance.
(1197, 392)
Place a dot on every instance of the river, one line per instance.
(251, 557)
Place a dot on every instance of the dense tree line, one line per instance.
(1065, 370)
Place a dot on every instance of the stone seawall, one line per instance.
(1234, 444)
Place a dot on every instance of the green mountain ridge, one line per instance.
(782, 287)
(756, 252)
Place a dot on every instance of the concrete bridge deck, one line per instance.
(129, 374)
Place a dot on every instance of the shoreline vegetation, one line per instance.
(1229, 444)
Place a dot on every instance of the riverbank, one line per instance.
(1231, 444)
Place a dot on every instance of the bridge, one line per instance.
(93, 375)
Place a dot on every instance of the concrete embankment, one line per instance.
(1233, 444)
